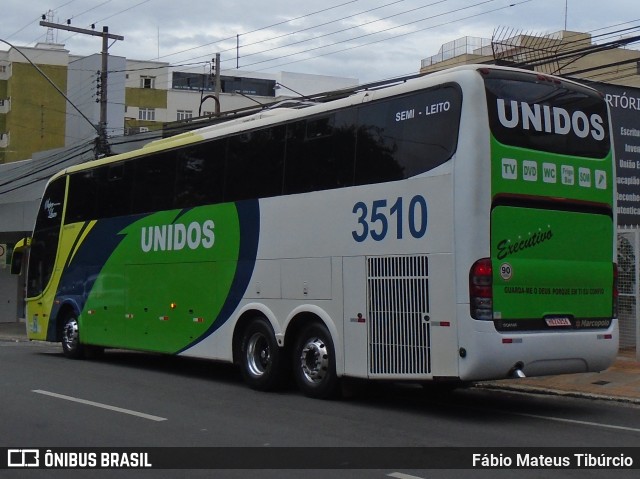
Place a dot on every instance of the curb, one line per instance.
(13, 339)
(542, 391)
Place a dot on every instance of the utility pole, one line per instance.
(102, 144)
(217, 88)
(217, 83)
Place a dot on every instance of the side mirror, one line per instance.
(18, 255)
(16, 262)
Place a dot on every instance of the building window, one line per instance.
(148, 114)
(185, 114)
(147, 82)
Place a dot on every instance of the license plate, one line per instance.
(557, 322)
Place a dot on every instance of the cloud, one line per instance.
(369, 40)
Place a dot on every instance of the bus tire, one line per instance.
(260, 357)
(314, 362)
(71, 346)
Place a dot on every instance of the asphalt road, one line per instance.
(128, 399)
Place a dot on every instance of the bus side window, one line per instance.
(255, 161)
(376, 148)
(115, 191)
(200, 174)
(407, 136)
(320, 153)
(83, 195)
(154, 183)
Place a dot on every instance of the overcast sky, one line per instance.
(364, 39)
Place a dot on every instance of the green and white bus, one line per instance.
(452, 227)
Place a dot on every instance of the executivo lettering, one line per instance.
(175, 237)
(547, 119)
(508, 247)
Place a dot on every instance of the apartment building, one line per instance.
(141, 96)
(604, 59)
(32, 112)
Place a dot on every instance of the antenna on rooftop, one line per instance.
(50, 33)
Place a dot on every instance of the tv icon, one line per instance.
(23, 458)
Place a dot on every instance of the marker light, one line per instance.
(616, 292)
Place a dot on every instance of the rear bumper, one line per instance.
(489, 354)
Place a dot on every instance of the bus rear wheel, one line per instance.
(260, 357)
(314, 363)
(71, 346)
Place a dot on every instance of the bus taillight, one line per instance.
(615, 290)
(481, 290)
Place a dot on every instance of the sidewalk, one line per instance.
(621, 382)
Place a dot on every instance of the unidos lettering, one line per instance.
(547, 119)
(176, 237)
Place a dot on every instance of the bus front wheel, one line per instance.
(71, 346)
(260, 357)
(314, 362)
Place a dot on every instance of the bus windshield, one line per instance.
(45, 238)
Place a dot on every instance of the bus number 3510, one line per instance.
(377, 220)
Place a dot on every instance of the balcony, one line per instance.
(461, 46)
(5, 105)
(4, 140)
(5, 70)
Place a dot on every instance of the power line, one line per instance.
(90, 9)
(103, 19)
(343, 30)
(51, 83)
(37, 19)
(335, 21)
(264, 28)
(337, 31)
(386, 30)
(353, 38)
(30, 169)
(310, 28)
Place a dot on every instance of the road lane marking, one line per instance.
(401, 475)
(100, 405)
(575, 421)
(558, 419)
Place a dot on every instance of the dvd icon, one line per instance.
(23, 458)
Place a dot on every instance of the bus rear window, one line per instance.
(533, 111)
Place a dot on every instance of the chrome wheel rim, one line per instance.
(258, 355)
(314, 360)
(70, 336)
